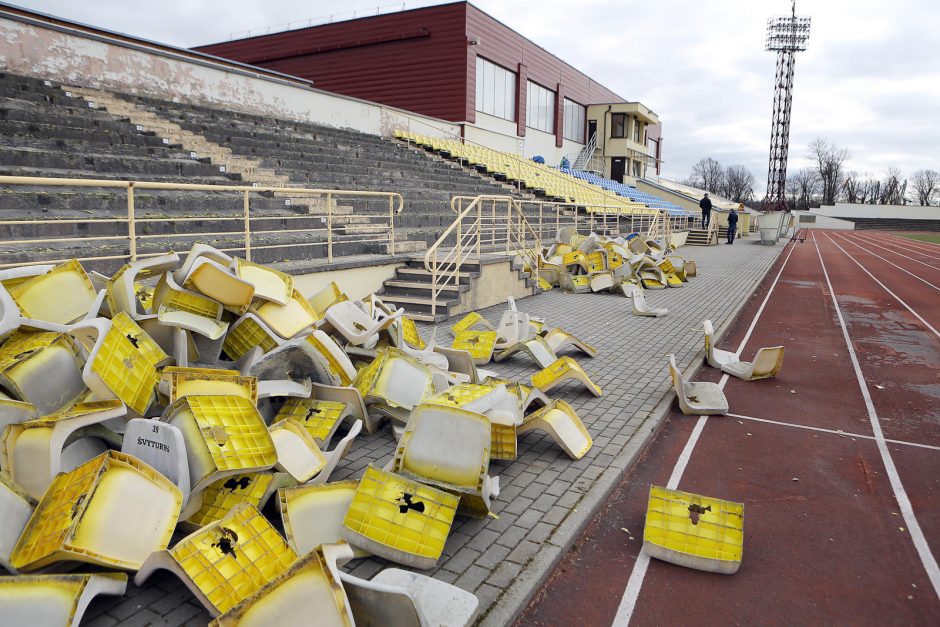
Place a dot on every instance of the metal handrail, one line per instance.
(396, 204)
(511, 228)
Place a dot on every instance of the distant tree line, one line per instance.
(826, 182)
(734, 182)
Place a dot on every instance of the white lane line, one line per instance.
(899, 248)
(914, 243)
(635, 583)
(847, 434)
(906, 254)
(846, 239)
(885, 287)
(904, 504)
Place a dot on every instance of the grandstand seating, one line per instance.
(540, 178)
(628, 191)
(565, 185)
(48, 133)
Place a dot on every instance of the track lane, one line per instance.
(849, 494)
(926, 275)
(928, 261)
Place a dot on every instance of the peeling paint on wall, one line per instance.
(72, 59)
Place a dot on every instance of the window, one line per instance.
(540, 108)
(637, 130)
(574, 121)
(618, 124)
(496, 90)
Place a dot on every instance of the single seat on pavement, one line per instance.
(697, 398)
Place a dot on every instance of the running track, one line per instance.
(837, 460)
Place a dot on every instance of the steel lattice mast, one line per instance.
(786, 36)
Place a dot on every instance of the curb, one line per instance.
(516, 598)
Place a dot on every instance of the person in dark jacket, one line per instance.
(706, 205)
(733, 224)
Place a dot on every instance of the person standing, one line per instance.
(706, 206)
(733, 224)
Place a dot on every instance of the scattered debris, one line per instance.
(188, 392)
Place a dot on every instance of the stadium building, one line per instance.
(456, 63)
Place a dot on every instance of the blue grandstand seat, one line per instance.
(628, 191)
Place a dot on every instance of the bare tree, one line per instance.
(803, 186)
(829, 160)
(708, 175)
(925, 184)
(891, 189)
(737, 183)
(859, 189)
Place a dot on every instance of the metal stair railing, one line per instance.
(584, 156)
(494, 224)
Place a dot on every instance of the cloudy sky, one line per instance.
(870, 80)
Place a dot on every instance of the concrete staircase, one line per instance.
(478, 284)
(700, 237)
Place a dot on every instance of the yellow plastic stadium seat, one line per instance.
(694, 531)
(321, 418)
(270, 284)
(29, 361)
(225, 435)
(32, 450)
(313, 514)
(214, 280)
(394, 382)
(480, 345)
(221, 497)
(16, 508)
(246, 333)
(399, 519)
(54, 600)
(309, 592)
(340, 365)
(127, 294)
(410, 333)
(287, 320)
(326, 298)
(562, 370)
(559, 420)
(448, 448)
(227, 561)
(93, 514)
(469, 321)
(181, 308)
(209, 382)
(63, 295)
(297, 452)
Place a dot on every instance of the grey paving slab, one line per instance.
(546, 498)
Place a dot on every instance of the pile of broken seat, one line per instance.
(593, 263)
(183, 395)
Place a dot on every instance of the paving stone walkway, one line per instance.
(546, 497)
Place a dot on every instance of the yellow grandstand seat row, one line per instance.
(535, 176)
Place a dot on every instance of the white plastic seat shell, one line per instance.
(697, 398)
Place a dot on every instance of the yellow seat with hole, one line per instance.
(480, 345)
(402, 520)
(695, 531)
(221, 497)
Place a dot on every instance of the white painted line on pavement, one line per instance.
(896, 297)
(904, 504)
(847, 434)
(919, 244)
(857, 245)
(635, 583)
(906, 254)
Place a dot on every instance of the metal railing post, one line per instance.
(247, 231)
(508, 225)
(434, 285)
(131, 223)
(391, 225)
(329, 227)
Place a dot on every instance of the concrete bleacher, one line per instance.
(50, 132)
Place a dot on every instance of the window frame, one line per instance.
(623, 126)
(575, 119)
(495, 92)
(540, 108)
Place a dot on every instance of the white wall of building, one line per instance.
(75, 58)
(909, 212)
(812, 220)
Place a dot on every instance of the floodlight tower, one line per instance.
(786, 36)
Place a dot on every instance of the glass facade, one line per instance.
(540, 108)
(496, 90)
(574, 121)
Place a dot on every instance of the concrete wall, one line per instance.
(810, 220)
(73, 57)
(497, 282)
(356, 283)
(892, 212)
